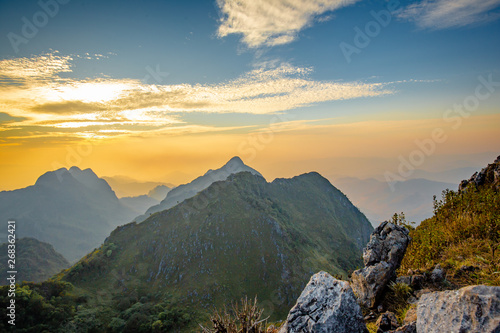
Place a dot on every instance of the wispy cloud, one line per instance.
(442, 14)
(272, 22)
(42, 102)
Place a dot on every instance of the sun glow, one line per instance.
(90, 92)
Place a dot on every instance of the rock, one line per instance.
(369, 282)
(387, 243)
(466, 268)
(437, 274)
(411, 315)
(382, 257)
(325, 305)
(408, 328)
(489, 176)
(470, 309)
(386, 322)
(422, 292)
(370, 316)
(414, 281)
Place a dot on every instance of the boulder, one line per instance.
(325, 305)
(414, 281)
(382, 257)
(437, 274)
(470, 309)
(386, 322)
(387, 243)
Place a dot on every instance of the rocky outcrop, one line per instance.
(386, 322)
(470, 309)
(489, 176)
(382, 257)
(325, 305)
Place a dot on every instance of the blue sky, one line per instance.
(109, 71)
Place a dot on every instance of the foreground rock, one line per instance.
(382, 256)
(470, 309)
(325, 305)
(386, 322)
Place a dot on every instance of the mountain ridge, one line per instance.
(184, 191)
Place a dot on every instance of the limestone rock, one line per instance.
(382, 257)
(437, 274)
(368, 283)
(387, 243)
(470, 309)
(325, 305)
(409, 328)
(489, 176)
(386, 322)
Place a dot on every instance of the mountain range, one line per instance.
(73, 210)
(182, 192)
(239, 236)
(379, 202)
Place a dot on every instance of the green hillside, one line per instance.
(35, 261)
(242, 236)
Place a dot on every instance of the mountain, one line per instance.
(73, 210)
(379, 202)
(129, 187)
(182, 192)
(35, 261)
(240, 236)
(159, 192)
(141, 203)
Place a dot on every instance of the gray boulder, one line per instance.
(325, 305)
(437, 274)
(382, 257)
(470, 309)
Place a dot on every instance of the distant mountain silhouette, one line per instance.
(183, 192)
(379, 202)
(73, 210)
(129, 187)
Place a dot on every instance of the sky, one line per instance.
(165, 90)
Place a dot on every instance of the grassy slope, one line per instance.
(465, 231)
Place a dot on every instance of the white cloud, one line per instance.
(272, 22)
(108, 106)
(442, 14)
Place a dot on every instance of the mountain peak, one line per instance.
(235, 160)
(74, 169)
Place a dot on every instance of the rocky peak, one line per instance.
(489, 176)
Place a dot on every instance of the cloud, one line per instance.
(443, 14)
(272, 22)
(109, 107)
(21, 71)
